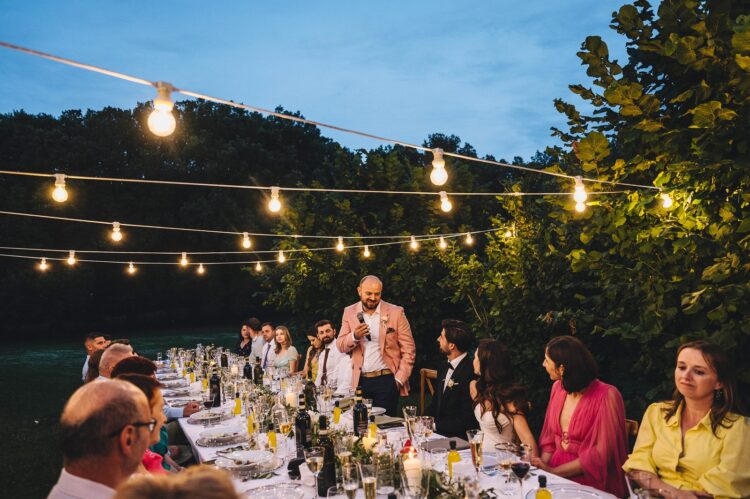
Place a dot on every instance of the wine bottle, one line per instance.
(271, 433)
(214, 385)
(327, 476)
(247, 371)
(309, 392)
(224, 360)
(237, 404)
(336, 412)
(372, 428)
(543, 492)
(302, 428)
(359, 414)
(257, 372)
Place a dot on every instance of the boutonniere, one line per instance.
(451, 383)
(384, 319)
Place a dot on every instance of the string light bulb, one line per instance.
(71, 258)
(340, 244)
(445, 203)
(439, 175)
(258, 267)
(469, 240)
(131, 268)
(366, 252)
(116, 234)
(281, 257)
(246, 243)
(511, 232)
(580, 207)
(414, 244)
(59, 193)
(43, 265)
(184, 259)
(274, 205)
(161, 121)
(666, 200)
(201, 269)
(442, 244)
(579, 194)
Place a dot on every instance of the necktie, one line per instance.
(324, 375)
(265, 357)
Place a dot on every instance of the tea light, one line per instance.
(235, 370)
(412, 469)
(291, 399)
(368, 444)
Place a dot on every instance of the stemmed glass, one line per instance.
(285, 428)
(314, 460)
(506, 454)
(349, 479)
(476, 439)
(521, 465)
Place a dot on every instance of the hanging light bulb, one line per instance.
(131, 268)
(340, 244)
(366, 252)
(274, 204)
(43, 265)
(509, 233)
(183, 259)
(246, 243)
(161, 121)
(414, 245)
(71, 258)
(439, 175)
(469, 240)
(59, 193)
(116, 234)
(281, 257)
(258, 267)
(445, 203)
(580, 207)
(579, 195)
(666, 200)
(201, 269)
(442, 244)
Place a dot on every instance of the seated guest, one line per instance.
(104, 434)
(111, 356)
(197, 482)
(268, 332)
(451, 404)
(93, 343)
(329, 357)
(151, 462)
(248, 333)
(93, 371)
(286, 354)
(500, 403)
(698, 443)
(590, 447)
(311, 357)
(257, 335)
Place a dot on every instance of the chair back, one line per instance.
(425, 381)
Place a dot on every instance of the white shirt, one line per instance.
(74, 487)
(269, 355)
(344, 375)
(257, 348)
(373, 360)
(455, 362)
(334, 357)
(85, 370)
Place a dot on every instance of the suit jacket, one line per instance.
(396, 342)
(453, 408)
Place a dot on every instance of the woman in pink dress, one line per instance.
(584, 437)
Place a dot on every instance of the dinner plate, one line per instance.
(170, 376)
(208, 415)
(222, 434)
(280, 491)
(256, 464)
(568, 491)
(181, 402)
(377, 411)
(175, 383)
(175, 392)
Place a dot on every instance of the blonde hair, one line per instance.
(287, 335)
(196, 482)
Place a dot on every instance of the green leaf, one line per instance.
(742, 61)
(594, 147)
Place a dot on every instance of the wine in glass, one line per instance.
(349, 479)
(476, 439)
(368, 475)
(521, 465)
(314, 459)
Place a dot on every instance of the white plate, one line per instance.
(280, 491)
(568, 491)
(243, 465)
(249, 456)
(222, 434)
(377, 411)
(207, 415)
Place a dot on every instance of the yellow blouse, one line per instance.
(718, 464)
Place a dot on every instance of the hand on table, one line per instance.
(190, 408)
(536, 461)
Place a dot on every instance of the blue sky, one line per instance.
(486, 71)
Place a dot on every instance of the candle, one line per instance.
(412, 469)
(235, 370)
(291, 399)
(368, 443)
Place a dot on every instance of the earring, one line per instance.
(718, 396)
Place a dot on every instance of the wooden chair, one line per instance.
(425, 379)
(631, 426)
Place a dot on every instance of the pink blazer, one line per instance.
(396, 342)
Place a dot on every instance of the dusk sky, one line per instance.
(485, 71)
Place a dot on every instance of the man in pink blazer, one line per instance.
(378, 336)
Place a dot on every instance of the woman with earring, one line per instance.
(698, 443)
(584, 437)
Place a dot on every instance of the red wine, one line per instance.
(520, 468)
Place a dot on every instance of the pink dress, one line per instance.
(596, 436)
(152, 462)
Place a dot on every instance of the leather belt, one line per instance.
(375, 374)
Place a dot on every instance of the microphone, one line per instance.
(361, 319)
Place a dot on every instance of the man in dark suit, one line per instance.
(451, 404)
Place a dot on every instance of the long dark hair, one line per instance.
(497, 384)
(726, 399)
(580, 366)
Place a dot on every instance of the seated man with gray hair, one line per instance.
(111, 356)
(105, 428)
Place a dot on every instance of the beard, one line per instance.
(370, 304)
(327, 340)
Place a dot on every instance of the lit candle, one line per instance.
(412, 469)
(368, 444)
(291, 399)
(235, 370)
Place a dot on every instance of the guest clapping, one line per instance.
(698, 443)
(583, 437)
(500, 403)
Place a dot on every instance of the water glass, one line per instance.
(438, 459)
(369, 478)
(368, 405)
(349, 479)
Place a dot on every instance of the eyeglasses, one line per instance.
(150, 425)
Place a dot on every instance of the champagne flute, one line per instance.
(314, 460)
(349, 479)
(476, 439)
(368, 474)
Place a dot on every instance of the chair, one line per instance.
(425, 379)
(631, 426)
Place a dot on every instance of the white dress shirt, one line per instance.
(373, 359)
(257, 348)
(74, 487)
(85, 370)
(455, 362)
(344, 375)
(334, 357)
(269, 355)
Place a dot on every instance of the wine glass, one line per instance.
(521, 465)
(476, 439)
(368, 475)
(282, 421)
(349, 479)
(427, 427)
(314, 460)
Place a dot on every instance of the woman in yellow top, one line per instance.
(698, 444)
